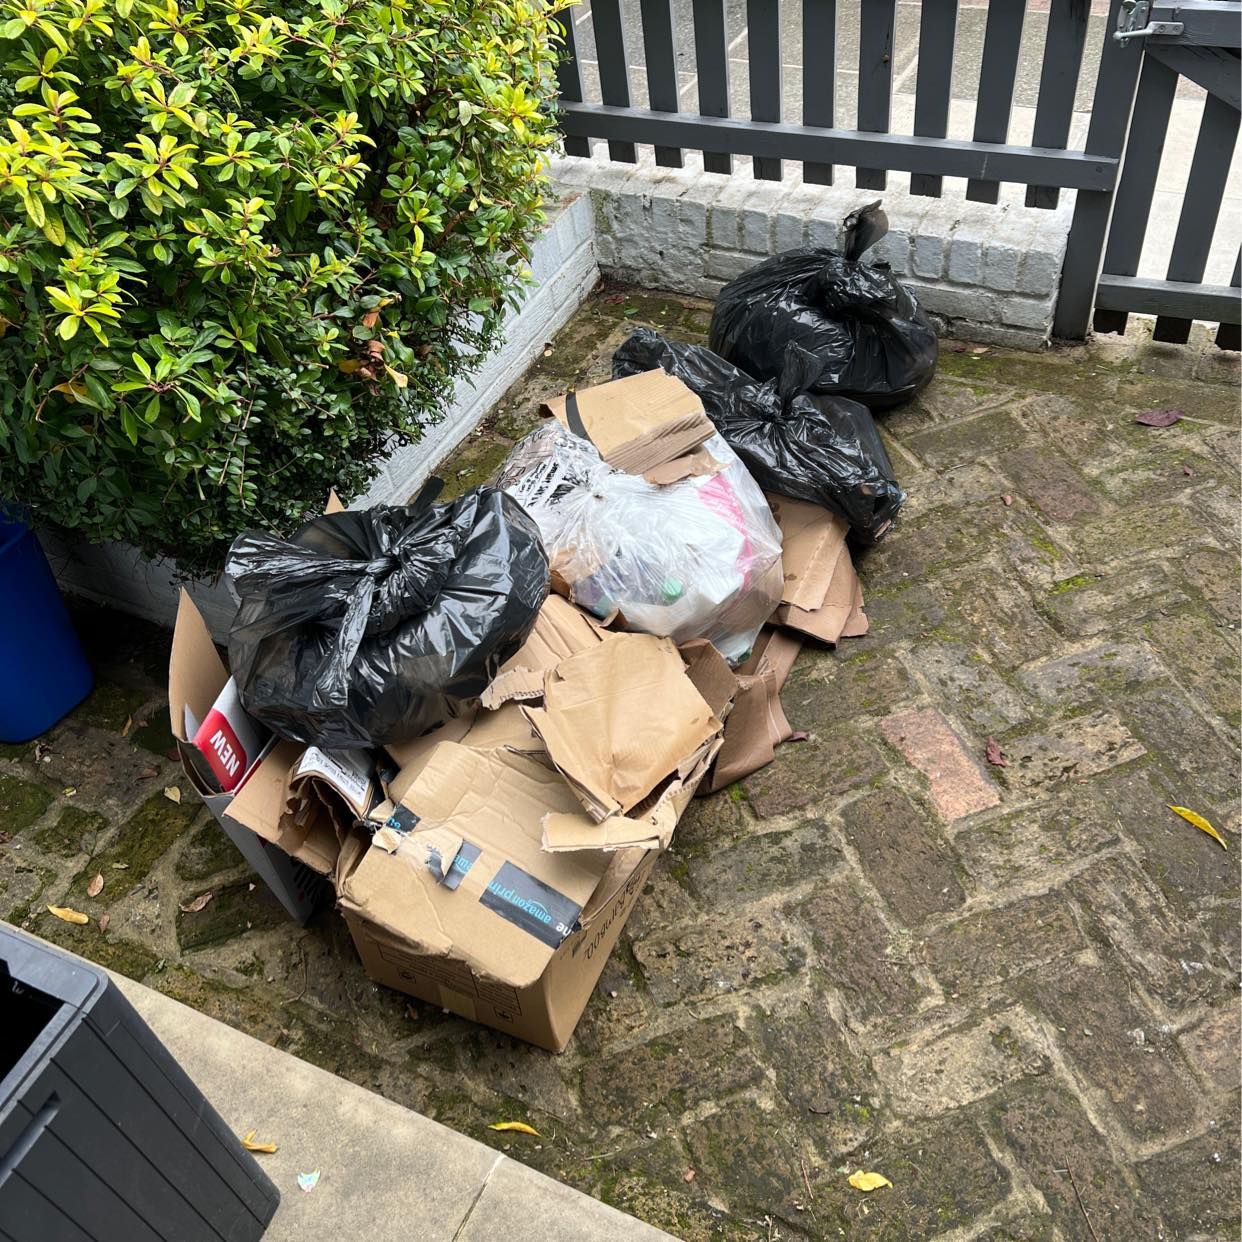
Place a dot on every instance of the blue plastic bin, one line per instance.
(43, 670)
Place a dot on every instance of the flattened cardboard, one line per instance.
(560, 630)
(641, 423)
(618, 718)
(757, 724)
(261, 806)
(496, 801)
(822, 597)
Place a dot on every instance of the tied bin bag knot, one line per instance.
(370, 627)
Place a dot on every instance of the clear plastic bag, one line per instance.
(699, 558)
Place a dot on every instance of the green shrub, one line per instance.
(244, 244)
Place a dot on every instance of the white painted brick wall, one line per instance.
(968, 260)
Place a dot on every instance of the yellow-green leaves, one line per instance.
(868, 1181)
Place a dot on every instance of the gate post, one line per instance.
(1108, 135)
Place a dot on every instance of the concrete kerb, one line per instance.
(984, 271)
(386, 1174)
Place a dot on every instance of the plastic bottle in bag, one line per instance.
(698, 558)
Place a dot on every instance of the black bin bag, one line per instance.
(819, 448)
(871, 340)
(373, 626)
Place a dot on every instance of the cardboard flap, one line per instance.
(811, 542)
(334, 502)
(619, 718)
(710, 674)
(621, 866)
(696, 465)
(829, 621)
(260, 805)
(196, 674)
(638, 423)
(567, 833)
(560, 630)
(509, 905)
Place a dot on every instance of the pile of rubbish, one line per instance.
(479, 722)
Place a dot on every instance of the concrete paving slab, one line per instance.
(387, 1174)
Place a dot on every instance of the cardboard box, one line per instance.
(196, 676)
(491, 891)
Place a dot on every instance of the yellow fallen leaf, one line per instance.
(868, 1181)
(95, 887)
(129, 724)
(1199, 822)
(349, 365)
(250, 1145)
(172, 793)
(520, 1126)
(68, 915)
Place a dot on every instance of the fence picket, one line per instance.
(937, 30)
(1001, 41)
(1229, 335)
(661, 69)
(1205, 192)
(875, 79)
(569, 78)
(711, 60)
(763, 41)
(614, 72)
(819, 76)
(1152, 106)
(1058, 82)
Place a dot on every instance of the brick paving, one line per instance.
(1012, 990)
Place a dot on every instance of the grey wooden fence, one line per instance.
(1045, 166)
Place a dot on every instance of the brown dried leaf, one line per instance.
(66, 915)
(95, 887)
(199, 903)
(172, 793)
(1160, 418)
(104, 920)
(129, 724)
(147, 773)
(688, 1175)
(1006, 500)
(996, 756)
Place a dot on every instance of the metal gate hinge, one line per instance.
(1133, 23)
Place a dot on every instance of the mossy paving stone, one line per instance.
(109, 949)
(76, 831)
(22, 887)
(854, 952)
(472, 465)
(208, 852)
(21, 803)
(649, 1181)
(109, 706)
(1052, 1138)
(944, 1177)
(707, 1060)
(139, 844)
(751, 1160)
(1151, 1090)
(155, 734)
(247, 905)
(761, 865)
(616, 1008)
(1196, 1185)
(826, 1085)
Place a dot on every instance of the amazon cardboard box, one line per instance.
(491, 890)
